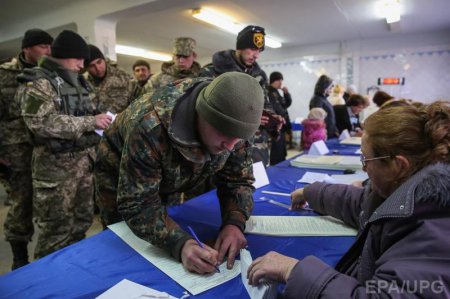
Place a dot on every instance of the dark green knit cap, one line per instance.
(232, 104)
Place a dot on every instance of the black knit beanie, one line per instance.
(69, 44)
(232, 103)
(94, 53)
(275, 76)
(251, 37)
(35, 37)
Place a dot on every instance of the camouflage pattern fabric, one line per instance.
(139, 90)
(151, 159)
(171, 73)
(62, 181)
(226, 61)
(115, 91)
(184, 46)
(15, 147)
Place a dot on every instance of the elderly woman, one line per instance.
(402, 249)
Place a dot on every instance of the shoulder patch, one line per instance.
(32, 104)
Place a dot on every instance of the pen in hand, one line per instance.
(200, 243)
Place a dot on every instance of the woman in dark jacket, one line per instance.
(322, 90)
(347, 116)
(403, 215)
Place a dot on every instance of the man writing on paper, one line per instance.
(165, 147)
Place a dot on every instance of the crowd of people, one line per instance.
(189, 129)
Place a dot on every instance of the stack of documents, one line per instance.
(352, 141)
(327, 162)
(298, 226)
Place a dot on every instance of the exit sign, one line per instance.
(391, 81)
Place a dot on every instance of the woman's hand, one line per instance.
(273, 267)
(298, 200)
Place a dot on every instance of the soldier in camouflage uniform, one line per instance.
(250, 43)
(112, 86)
(142, 73)
(16, 147)
(159, 152)
(182, 66)
(58, 111)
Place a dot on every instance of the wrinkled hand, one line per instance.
(281, 121)
(230, 241)
(273, 267)
(197, 259)
(298, 200)
(264, 120)
(102, 121)
(285, 89)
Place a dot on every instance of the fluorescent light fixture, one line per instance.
(132, 51)
(227, 23)
(389, 9)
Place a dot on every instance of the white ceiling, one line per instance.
(296, 23)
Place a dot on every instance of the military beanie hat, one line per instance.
(94, 53)
(184, 46)
(35, 37)
(69, 44)
(251, 37)
(232, 103)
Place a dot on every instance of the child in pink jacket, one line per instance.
(314, 128)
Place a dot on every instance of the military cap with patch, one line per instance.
(251, 37)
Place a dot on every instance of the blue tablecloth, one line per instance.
(90, 267)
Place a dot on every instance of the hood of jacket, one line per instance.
(226, 61)
(428, 185)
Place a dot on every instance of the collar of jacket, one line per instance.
(23, 63)
(429, 184)
(170, 68)
(67, 75)
(226, 61)
(181, 126)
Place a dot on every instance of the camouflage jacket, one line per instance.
(115, 91)
(12, 127)
(163, 163)
(139, 90)
(52, 120)
(170, 73)
(226, 61)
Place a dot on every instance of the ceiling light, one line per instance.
(227, 23)
(389, 9)
(126, 50)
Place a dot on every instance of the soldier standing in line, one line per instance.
(112, 86)
(182, 66)
(164, 146)
(59, 112)
(249, 44)
(142, 73)
(16, 147)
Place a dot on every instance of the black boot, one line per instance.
(20, 254)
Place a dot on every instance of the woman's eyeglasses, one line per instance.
(364, 160)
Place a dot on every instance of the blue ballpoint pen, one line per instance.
(200, 243)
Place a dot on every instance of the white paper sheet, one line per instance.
(126, 289)
(194, 283)
(318, 148)
(344, 135)
(327, 162)
(348, 179)
(312, 177)
(262, 291)
(352, 140)
(298, 226)
(113, 116)
(261, 178)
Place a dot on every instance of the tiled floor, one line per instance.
(5, 250)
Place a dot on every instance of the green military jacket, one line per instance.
(12, 127)
(170, 73)
(163, 163)
(115, 91)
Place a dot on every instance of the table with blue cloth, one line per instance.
(90, 267)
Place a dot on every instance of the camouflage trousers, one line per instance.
(63, 198)
(18, 223)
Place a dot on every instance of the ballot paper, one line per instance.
(265, 290)
(113, 117)
(126, 289)
(327, 162)
(348, 179)
(312, 177)
(192, 282)
(298, 226)
(351, 141)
